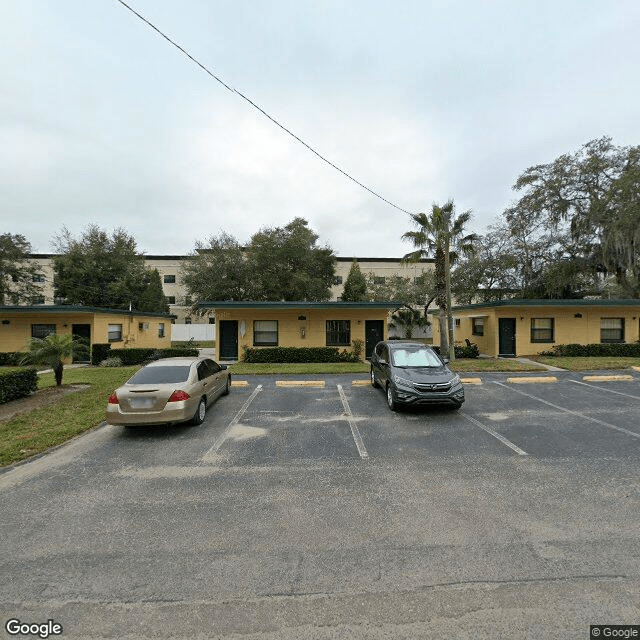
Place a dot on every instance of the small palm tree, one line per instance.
(52, 351)
(406, 320)
(441, 234)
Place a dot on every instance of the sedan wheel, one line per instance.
(227, 387)
(391, 401)
(374, 382)
(201, 411)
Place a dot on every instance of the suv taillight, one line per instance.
(113, 398)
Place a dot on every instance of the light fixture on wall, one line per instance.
(302, 317)
(577, 315)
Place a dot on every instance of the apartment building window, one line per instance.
(38, 277)
(37, 300)
(161, 330)
(337, 280)
(42, 330)
(379, 279)
(169, 279)
(114, 333)
(171, 299)
(611, 329)
(338, 333)
(477, 326)
(265, 333)
(542, 330)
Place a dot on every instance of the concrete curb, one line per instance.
(604, 378)
(531, 379)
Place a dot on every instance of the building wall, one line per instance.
(170, 266)
(568, 329)
(15, 334)
(290, 328)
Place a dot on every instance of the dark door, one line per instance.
(507, 337)
(82, 334)
(373, 333)
(228, 340)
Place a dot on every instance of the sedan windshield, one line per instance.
(415, 358)
(161, 375)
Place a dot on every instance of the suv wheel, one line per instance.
(374, 382)
(391, 399)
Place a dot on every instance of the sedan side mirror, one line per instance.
(446, 360)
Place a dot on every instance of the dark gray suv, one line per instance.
(412, 373)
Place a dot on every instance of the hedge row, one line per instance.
(298, 354)
(17, 384)
(10, 359)
(142, 355)
(616, 350)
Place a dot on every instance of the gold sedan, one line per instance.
(168, 391)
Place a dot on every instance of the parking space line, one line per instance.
(593, 386)
(574, 413)
(495, 434)
(210, 455)
(357, 438)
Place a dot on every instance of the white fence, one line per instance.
(184, 332)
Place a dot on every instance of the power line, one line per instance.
(262, 111)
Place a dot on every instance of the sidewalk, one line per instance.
(66, 366)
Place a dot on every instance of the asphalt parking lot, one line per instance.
(304, 508)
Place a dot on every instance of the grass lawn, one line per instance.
(29, 433)
(242, 368)
(586, 363)
(480, 365)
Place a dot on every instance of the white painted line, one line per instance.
(593, 386)
(573, 413)
(495, 434)
(357, 438)
(210, 455)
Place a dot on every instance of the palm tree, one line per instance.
(441, 235)
(407, 319)
(52, 351)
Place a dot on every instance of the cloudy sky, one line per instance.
(103, 121)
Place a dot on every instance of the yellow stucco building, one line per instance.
(527, 327)
(298, 324)
(99, 326)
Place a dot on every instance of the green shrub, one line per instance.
(10, 359)
(298, 354)
(114, 361)
(17, 384)
(615, 350)
(467, 351)
(99, 352)
(140, 355)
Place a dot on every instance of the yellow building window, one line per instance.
(265, 333)
(542, 330)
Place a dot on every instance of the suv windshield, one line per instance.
(415, 357)
(161, 375)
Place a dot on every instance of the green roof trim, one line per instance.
(548, 303)
(298, 305)
(69, 308)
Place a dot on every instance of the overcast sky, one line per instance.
(103, 121)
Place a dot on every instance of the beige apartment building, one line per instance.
(169, 268)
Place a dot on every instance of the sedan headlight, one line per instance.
(403, 381)
(455, 380)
